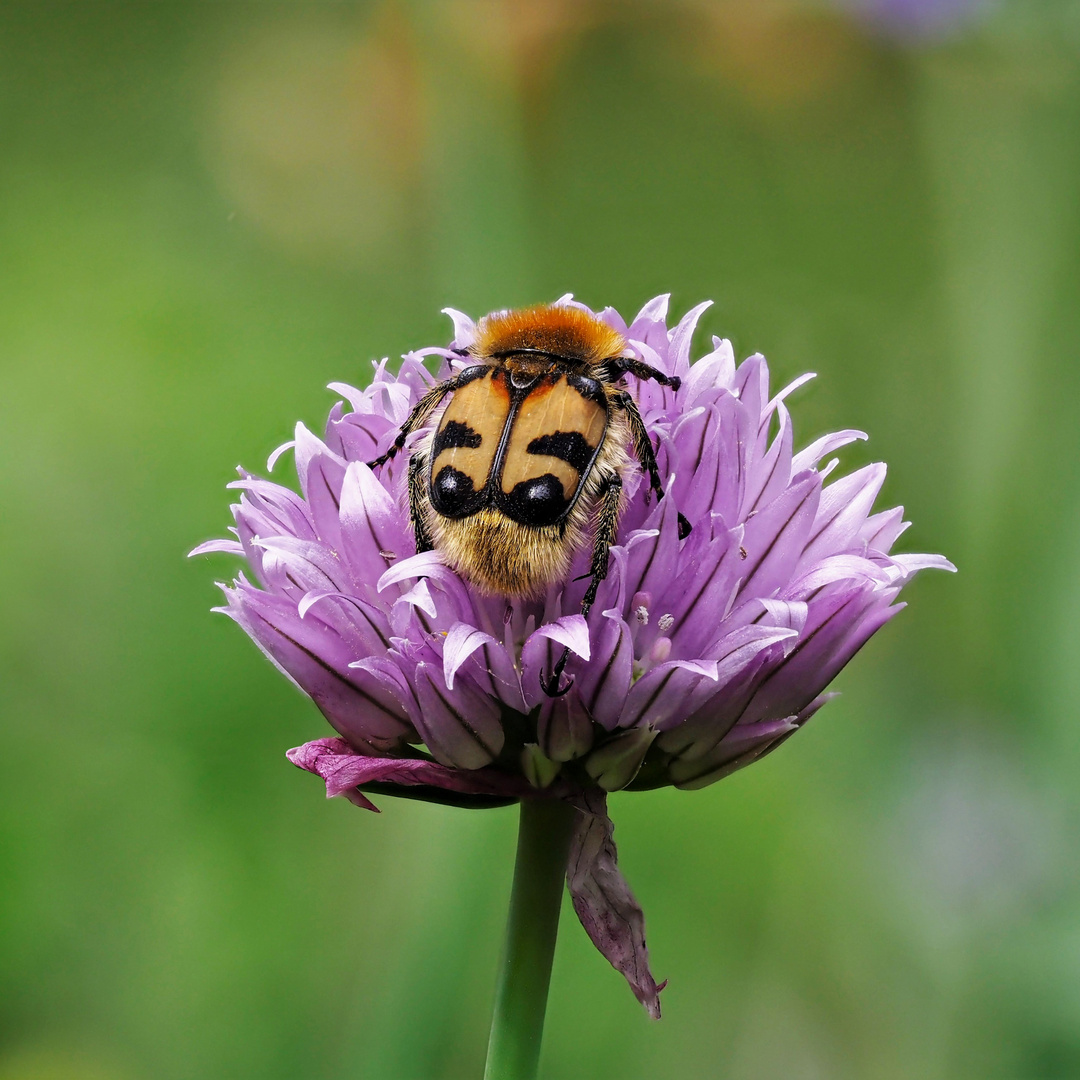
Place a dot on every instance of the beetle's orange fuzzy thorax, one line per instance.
(563, 331)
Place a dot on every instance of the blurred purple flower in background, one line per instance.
(700, 655)
(918, 19)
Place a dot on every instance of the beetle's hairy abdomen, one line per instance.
(499, 555)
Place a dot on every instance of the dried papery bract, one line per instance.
(702, 653)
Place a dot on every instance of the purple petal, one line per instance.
(772, 474)
(360, 435)
(912, 564)
(320, 472)
(745, 744)
(343, 769)
(700, 466)
(464, 327)
(272, 510)
(426, 564)
(356, 398)
(371, 524)
(564, 727)
(655, 311)
(842, 511)
(741, 655)
(710, 373)
(751, 386)
(616, 762)
(839, 624)
(666, 693)
(571, 631)
(653, 563)
(419, 596)
(880, 531)
(543, 649)
(787, 613)
(781, 395)
(611, 915)
(731, 753)
(808, 458)
(485, 660)
(461, 642)
(391, 398)
(696, 599)
(682, 336)
(415, 377)
(604, 683)
(853, 568)
(317, 660)
(275, 455)
(613, 319)
(702, 730)
(212, 547)
(364, 627)
(460, 727)
(735, 428)
(294, 565)
(775, 536)
(654, 400)
(391, 680)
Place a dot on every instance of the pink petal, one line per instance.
(611, 915)
(343, 769)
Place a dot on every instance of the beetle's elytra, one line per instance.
(531, 447)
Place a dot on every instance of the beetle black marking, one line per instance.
(569, 446)
(453, 494)
(455, 434)
(539, 501)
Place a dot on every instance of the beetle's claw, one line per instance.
(550, 686)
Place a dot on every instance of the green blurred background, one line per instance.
(210, 210)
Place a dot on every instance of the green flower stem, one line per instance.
(533, 923)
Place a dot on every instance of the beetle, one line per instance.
(530, 449)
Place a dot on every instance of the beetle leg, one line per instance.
(607, 524)
(639, 369)
(417, 464)
(642, 443)
(423, 409)
(644, 450)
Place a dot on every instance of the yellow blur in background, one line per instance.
(209, 211)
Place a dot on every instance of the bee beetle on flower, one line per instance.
(531, 445)
(491, 601)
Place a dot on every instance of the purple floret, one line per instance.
(700, 655)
